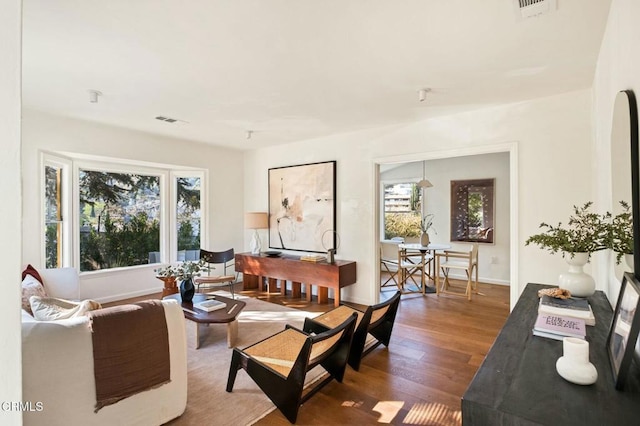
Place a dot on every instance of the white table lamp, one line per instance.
(255, 221)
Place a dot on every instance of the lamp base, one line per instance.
(255, 245)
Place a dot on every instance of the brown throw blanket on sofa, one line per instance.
(130, 350)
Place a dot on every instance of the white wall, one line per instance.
(51, 133)
(618, 68)
(554, 138)
(10, 210)
(493, 258)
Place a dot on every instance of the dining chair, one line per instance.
(224, 258)
(388, 264)
(466, 261)
(411, 267)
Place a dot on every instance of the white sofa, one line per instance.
(57, 369)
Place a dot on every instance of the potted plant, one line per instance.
(620, 237)
(184, 272)
(586, 233)
(425, 224)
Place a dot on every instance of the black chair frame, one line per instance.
(287, 392)
(219, 257)
(380, 329)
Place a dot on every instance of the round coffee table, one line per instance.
(227, 315)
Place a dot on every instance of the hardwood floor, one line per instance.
(437, 345)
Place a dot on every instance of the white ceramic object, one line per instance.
(578, 282)
(574, 365)
(628, 259)
(255, 245)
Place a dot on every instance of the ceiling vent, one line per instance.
(533, 8)
(170, 120)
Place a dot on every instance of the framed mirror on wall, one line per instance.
(472, 210)
(624, 178)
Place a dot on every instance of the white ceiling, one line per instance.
(297, 69)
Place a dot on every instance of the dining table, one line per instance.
(423, 250)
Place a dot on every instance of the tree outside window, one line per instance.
(53, 216)
(119, 219)
(188, 217)
(402, 206)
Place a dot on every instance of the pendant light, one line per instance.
(424, 183)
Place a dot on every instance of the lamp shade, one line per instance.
(424, 183)
(256, 220)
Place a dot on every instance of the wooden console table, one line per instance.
(325, 275)
(517, 384)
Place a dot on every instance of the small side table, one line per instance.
(228, 315)
(170, 286)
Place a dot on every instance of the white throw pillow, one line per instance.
(31, 287)
(52, 309)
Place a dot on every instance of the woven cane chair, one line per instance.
(279, 364)
(376, 321)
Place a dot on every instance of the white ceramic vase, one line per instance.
(578, 282)
(628, 259)
(574, 365)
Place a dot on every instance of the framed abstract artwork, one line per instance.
(302, 207)
(624, 329)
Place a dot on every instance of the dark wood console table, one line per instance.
(290, 268)
(517, 384)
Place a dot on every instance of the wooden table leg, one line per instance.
(336, 297)
(323, 294)
(283, 287)
(197, 335)
(232, 333)
(296, 290)
(250, 282)
(308, 290)
(273, 285)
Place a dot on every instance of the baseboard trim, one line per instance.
(481, 279)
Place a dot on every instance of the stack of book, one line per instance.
(571, 308)
(313, 258)
(209, 305)
(558, 327)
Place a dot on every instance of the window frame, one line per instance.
(383, 221)
(66, 165)
(71, 204)
(114, 167)
(173, 177)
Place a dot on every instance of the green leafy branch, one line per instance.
(586, 232)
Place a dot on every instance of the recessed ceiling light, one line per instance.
(422, 94)
(93, 96)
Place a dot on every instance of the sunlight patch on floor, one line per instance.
(388, 410)
(432, 413)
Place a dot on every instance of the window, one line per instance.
(188, 223)
(472, 210)
(402, 210)
(105, 215)
(119, 219)
(53, 222)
